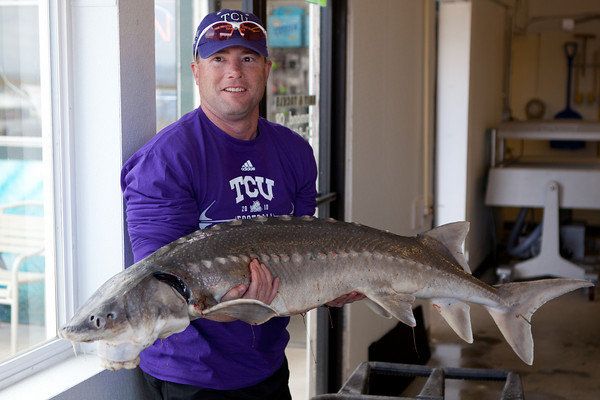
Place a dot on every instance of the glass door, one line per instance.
(292, 100)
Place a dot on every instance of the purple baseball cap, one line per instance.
(204, 47)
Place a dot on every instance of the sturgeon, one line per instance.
(316, 260)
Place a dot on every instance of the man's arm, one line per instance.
(159, 201)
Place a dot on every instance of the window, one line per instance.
(23, 264)
(292, 93)
(166, 62)
(28, 291)
(175, 24)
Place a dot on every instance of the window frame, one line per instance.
(55, 71)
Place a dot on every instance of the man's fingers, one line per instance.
(263, 286)
(266, 274)
(261, 279)
(254, 280)
(274, 290)
(235, 292)
(271, 285)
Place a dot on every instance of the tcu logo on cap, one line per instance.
(234, 16)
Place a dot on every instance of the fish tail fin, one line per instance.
(521, 300)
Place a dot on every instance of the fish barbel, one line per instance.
(316, 261)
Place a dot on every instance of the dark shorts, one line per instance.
(274, 387)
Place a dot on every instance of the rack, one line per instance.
(357, 386)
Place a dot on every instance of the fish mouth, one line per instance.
(83, 333)
(75, 334)
(116, 365)
(116, 356)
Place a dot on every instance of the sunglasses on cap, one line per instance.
(223, 30)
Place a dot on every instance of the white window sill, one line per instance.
(54, 380)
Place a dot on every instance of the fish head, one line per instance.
(104, 315)
(124, 318)
(91, 323)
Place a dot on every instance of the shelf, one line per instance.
(550, 130)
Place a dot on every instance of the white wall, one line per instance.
(385, 137)
(470, 72)
(113, 112)
(485, 112)
(454, 46)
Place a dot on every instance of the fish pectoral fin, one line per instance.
(456, 314)
(399, 305)
(251, 311)
(377, 309)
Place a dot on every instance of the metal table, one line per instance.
(548, 183)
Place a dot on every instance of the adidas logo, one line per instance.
(247, 166)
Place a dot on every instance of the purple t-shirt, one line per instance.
(191, 175)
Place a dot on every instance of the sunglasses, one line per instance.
(223, 30)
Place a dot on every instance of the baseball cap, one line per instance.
(231, 33)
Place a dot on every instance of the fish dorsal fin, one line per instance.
(456, 314)
(398, 305)
(452, 236)
(251, 311)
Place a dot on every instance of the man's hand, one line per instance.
(263, 287)
(346, 299)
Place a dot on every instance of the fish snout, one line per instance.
(97, 321)
(72, 333)
(90, 327)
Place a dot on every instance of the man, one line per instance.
(217, 163)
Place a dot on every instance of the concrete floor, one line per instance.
(566, 334)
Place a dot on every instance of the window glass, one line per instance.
(293, 39)
(166, 62)
(292, 100)
(23, 264)
(175, 26)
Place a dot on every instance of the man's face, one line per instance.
(231, 82)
